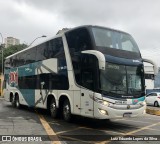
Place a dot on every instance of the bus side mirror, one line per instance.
(100, 56)
(154, 65)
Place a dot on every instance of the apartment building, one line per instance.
(11, 41)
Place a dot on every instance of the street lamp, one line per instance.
(36, 39)
(2, 52)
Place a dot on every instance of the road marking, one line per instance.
(143, 128)
(68, 130)
(103, 130)
(132, 132)
(52, 135)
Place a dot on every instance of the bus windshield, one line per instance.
(112, 39)
(121, 80)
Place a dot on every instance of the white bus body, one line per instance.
(90, 71)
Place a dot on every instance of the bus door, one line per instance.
(86, 102)
(88, 77)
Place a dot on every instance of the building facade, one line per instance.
(149, 76)
(11, 41)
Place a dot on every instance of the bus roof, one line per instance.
(62, 32)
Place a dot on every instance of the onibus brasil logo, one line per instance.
(13, 77)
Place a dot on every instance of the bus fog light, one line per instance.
(104, 112)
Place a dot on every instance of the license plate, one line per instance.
(121, 102)
(127, 114)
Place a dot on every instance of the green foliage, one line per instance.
(9, 51)
(13, 49)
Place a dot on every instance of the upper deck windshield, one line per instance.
(121, 80)
(106, 38)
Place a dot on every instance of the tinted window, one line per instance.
(7, 63)
(113, 39)
(55, 48)
(30, 56)
(21, 60)
(28, 82)
(149, 76)
(78, 40)
(41, 52)
(88, 71)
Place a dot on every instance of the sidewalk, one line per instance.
(1, 97)
(153, 110)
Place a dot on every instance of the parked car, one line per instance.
(153, 99)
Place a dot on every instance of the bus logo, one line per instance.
(135, 101)
(13, 77)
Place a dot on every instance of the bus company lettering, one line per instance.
(13, 77)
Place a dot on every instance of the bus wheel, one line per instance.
(53, 108)
(17, 102)
(67, 111)
(13, 101)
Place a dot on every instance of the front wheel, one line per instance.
(67, 111)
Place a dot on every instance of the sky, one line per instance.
(29, 19)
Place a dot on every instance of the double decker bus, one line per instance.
(91, 71)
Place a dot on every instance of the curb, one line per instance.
(153, 112)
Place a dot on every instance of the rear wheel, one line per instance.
(156, 104)
(67, 111)
(13, 102)
(17, 102)
(53, 109)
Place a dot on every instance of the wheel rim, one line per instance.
(53, 108)
(66, 111)
(17, 103)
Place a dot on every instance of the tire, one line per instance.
(67, 111)
(17, 104)
(156, 104)
(53, 109)
(13, 102)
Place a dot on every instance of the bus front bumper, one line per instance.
(106, 112)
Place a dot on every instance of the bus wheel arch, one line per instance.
(65, 107)
(52, 106)
(17, 103)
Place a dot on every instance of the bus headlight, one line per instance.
(104, 112)
(103, 102)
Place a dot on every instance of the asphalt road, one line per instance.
(20, 122)
(27, 121)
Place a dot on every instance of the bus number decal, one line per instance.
(13, 77)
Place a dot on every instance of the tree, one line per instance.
(9, 51)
